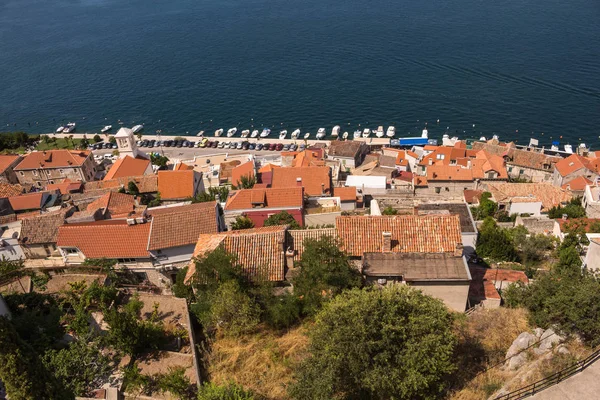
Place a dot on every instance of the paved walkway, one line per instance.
(582, 386)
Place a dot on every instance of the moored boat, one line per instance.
(379, 133)
(245, 133)
(345, 135)
(366, 133)
(60, 129)
(254, 133)
(335, 132)
(106, 128)
(295, 134)
(306, 135)
(201, 133)
(265, 133)
(391, 131)
(425, 133)
(219, 132)
(231, 132)
(137, 128)
(357, 134)
(282, 134)
(568, 149)
(70, 127)
(321, 133)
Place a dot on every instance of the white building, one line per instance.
(127, 145)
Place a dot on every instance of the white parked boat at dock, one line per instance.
(391, 131)
(568, 149)
(295, 134)
(70, 127)
(265, 133)
(379, 133)
(357, 134)
(306, 135)
(254, 133)
(201, 133)
(60, 129)
(425, 133)
(366, 133)
(282, 134)
(345, 135)
(231, 132)
(219, 132)
(106, 129)
(335, 132)
(137, 128)
(245, 133)
(321, 133)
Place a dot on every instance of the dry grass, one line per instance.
(262, 362)
(482, 387)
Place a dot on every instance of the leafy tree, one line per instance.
(22, 372)
(324, 272)
(573, 209)
(133, 379)
(378, 344)
(97, 138)
(132, 188)
(81, 367)
(180, 289)
(494, 242)
(282, 218)
(230, 391)
(84, 143)
(158, 160)
(112, 140)
(389, 210)
(245, 182)
(222, 192)
(45, 139)
(533, 248)
(282, 311)
(174, 382)
(242, 222)
(486, 208)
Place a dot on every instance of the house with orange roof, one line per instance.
(33, 201)
(8, 162)
(41, 168)
(574, 166)
(38, 234)
(348, 197)
(488, 283)
(246, 170)
(527, 198)
(405, 160)
(577, 185)
(114, 205)
(311, 157)
(10, 190)
(260, 204)
(175, 186)
(66, 187)
(129, 166)
(315, 180)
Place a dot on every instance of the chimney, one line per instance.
(298, 181)
(386, 243)
(458, 252)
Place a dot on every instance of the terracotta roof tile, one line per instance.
(472, 195)
(6, 161)
(145, 184)
(410, 234)
(549, 195)
(483, 284)
(115, 203)
(246, 169)
(183, 167)
(29, 201)
(265, 198)
(314, 179)
(344, 148)
(181, 226)
(345, 193)
(8, 190)
(66, 186)
(420, 181)
(577, 184)
(43, 228)
(126, 167)
(174, 185)
(586, 223)
(226, 169)
(518, 157)
(296, 238)
(449, 173)
(268, 168)
(106, 239)
(53, 159)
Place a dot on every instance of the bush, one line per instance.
(282, 218)
(231, 391)
(283, 311)
(573, 209)
(486, 208)
(180, 289)
(378, 344)
(174, 382)
(389, 210)
(97, 138)
(242, 222)
(495, 243)
(232, 312)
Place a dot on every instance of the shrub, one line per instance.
(282, 218)
(230, 391)
(97, 138)
(232, 312)
(242, 222)
(494, 242)
(283, 311)
(174, 382)
(389, 210)
(573, 209)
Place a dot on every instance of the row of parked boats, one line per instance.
(297, 134)
(70, 127)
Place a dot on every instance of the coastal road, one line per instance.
(189, 153)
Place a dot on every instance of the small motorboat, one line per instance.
(379, 133)
(345, 135)
(219, 132)
(321, 133)
(483, 139)
(106, 128)
(295, 134)
(201, 133)
(306, 135)
(137, 128)
(425, 133)
(254, 133)
(265, 133)
(231, 132)
(60, 129)
(335, 132)
(391, 131)
(554, 146)
(357, 134)
(282, 134)
(366, 133)
(245, 133)
(70, 127)
(568, 149)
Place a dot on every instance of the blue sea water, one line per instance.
(515, 68)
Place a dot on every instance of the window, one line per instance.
(39, 184)
(126, 260)
(438, 189)
(35, 173)
(510, 169)
(52, 182)
(447, 189)
(521, 171)
(22, 173)
(62, 171)
(70, 250)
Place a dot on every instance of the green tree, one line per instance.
(573, 209)
(494, 242)
(84, 143)
(180, 289)
(112, 140)
(220, 192)
(230, 391)
(132, 188)
(486, 208)
(395, 343)
(389, 210)
(242, 222)
(81, 367)
(175, 382)
(324, 272)
(282, 218)
(245, 182)
(158, 160)
(22, 372)
(97, 138)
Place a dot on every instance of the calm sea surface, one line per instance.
(512, 67)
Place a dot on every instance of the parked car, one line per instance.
(203, 143)
(279, 147)
(179, 143)
(221, 145)
(259, 146)
(272, 146)
(244, 145)
(114, 146)
(302, 147)
(251, 146)
(286, 147)
(239, 145)
(293, 147)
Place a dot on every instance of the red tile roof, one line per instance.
(66, 186)
(6, 161)
(483, 283)
(472, 195)
(259, 251)
(577, 184)
(268, 168)
(29, 201)
(145, 184)
(313, 179)
(246, 169)
(106, 239)
(127, 166)
(265, 198)
(183, 167)
(8, 190)
(53, 159)
(176, 185)
(296, 238)
(181, 225)
(586, 223)
(43, 228)
(345, 193)
(549, 195)
(115, 203)
(410, 234)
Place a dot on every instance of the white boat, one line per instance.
(231, 132)
(245, 133)
(335, 132)
(306, 135)
(321, 133)
(425, 134)
(379, 133)
(345, 135)
(282, 134)
(554, 146)
(568, 149)
(201, 133)
(219, 132)
(266, 132)
(106, 128)
(254, 133)
(60, 129)
(495, 137)
(391, 131)
(482, 139)
(357, 134)
(366, 133)
(70, 127)
(295, 134)
(137, 128)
